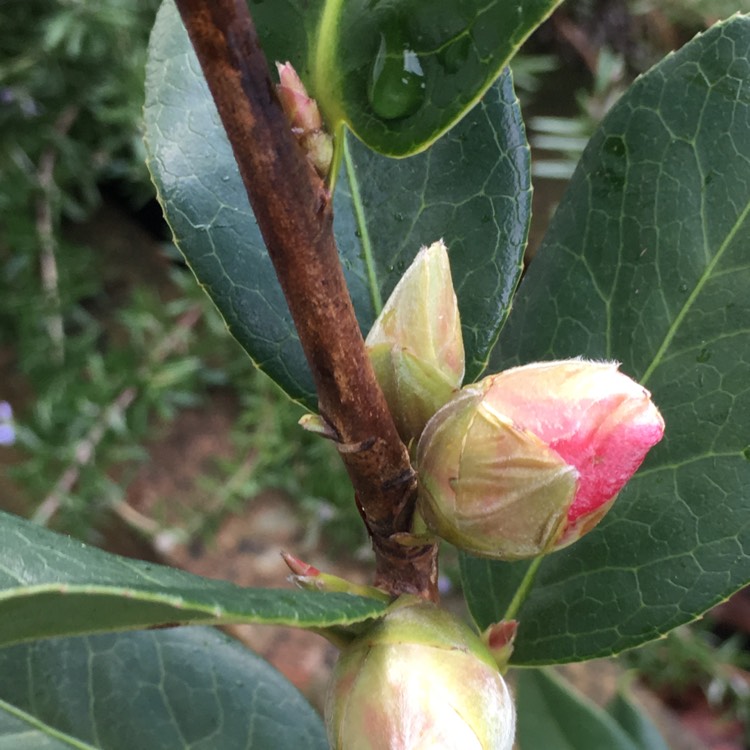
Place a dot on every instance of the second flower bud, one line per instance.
(416, 346)
(527, 461)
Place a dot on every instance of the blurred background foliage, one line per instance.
(105, 337)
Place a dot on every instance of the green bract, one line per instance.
(416, 345)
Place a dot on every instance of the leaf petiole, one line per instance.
(523, 589)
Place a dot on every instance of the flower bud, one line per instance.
(527, 461)
(418, 679)
(416, 346)
(304, 116)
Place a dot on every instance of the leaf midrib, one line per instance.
(214, 611)
(693, 296)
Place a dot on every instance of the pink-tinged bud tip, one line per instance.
(300, 108)
(594, 417)
(499, 638)
(299, 567)
(527, 461)
(304, 117)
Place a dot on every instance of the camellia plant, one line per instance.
(301, 196)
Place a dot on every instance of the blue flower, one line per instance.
(7, 431)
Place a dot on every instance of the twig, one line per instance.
(86, 447)
(295, 215)
(82, 455)
(45, 227)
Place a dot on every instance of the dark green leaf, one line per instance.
(401, 73)
(52, 585)
(647, 262)
(21, 731)
(552, 715)
(184, 688)
(472, 189)
(635, 723)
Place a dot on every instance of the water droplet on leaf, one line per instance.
(397, 85)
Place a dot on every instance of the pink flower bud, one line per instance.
(419, 678)
(527, 461)
(301, 109)
(415, 345)
(304, 116)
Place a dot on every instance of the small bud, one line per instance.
(308, 577)
(419, 678)
(316, 424)
(301, 109)
(416, 346)
(304, 116)
(499, 638)
(527, 461)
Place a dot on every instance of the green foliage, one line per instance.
(693, 657)
(71, 93)
(122, 367)
(71, 80)
(52, 585)
(71, 77)
(635, 723)
(566, 137)
(552, 714)
(695, 12)
(288, 458)
(647, 261)
(192, 687)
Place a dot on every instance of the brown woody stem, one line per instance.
(294, 212)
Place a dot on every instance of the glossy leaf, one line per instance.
(401, 73)
(52, 585)
(188, 687)
(472, 189)
(551, 714)
(646, 262)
